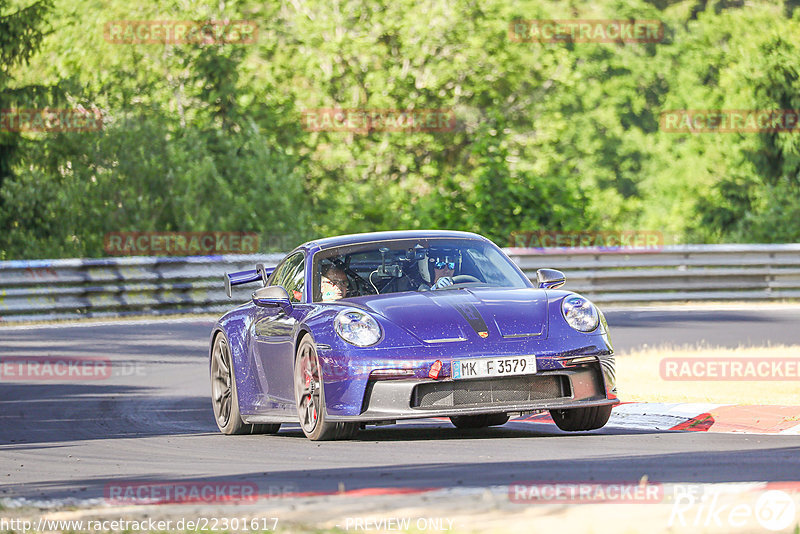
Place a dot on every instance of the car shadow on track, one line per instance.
(441, 430)
(40, 413)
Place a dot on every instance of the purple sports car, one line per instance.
(372, 328)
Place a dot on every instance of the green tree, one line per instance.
(548, 136)
(21, 33)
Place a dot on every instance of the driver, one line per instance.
(438, 268)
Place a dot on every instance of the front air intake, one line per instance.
(490, 392)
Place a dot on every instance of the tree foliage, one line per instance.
(548, 136)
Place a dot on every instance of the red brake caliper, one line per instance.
(314, 412)
(308, 384)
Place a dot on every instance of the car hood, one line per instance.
(445, 315)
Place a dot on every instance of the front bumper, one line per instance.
(576, 387)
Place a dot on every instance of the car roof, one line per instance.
(352, 239)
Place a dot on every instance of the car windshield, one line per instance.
(411, 265)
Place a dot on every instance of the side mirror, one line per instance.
(550, 278)
(272, 296)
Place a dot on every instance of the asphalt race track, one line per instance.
(153, 422)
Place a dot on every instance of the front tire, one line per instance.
(580, 419)
(479, 421)
(224, 397)
(310, 397)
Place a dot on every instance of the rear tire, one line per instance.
(224, 396)
(579, 419)
(310, 397)
(479, 421)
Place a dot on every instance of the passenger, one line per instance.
(334, 283)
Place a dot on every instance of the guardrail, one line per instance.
(73, 288)
(676, 273)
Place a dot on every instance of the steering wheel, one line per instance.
(464, 278)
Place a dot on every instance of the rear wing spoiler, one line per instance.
(245, 277)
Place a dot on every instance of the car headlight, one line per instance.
(580, 313)
(357, 328)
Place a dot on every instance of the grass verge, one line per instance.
(642, 376)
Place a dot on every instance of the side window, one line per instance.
(291, 276)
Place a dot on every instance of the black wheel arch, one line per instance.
(302, 332)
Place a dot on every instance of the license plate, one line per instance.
(483, 367)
